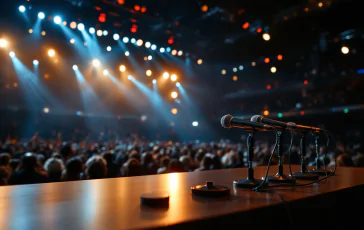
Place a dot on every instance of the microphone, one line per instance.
(284, 125)
(228, 121)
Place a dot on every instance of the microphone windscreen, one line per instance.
(256, 118)
(225, 121)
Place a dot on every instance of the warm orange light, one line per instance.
(305, 82)
(204, 8)
(165, 75)
(246, 25)
(73, 25)
(143, 9)
(173, 77)
(174, 52)
(266, 113)
(122, 68)
(30, 31)
(51, 53)
(121, 2)
(199, 61)
(174, 94)
(46, 76)
(266, 60)
(15, 84)
(269, 87)
(174, 111)
(137, 7)
(148, 73)
(235, 78)
(259, 30)
(279, 57)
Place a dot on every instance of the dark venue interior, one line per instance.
(137, 114)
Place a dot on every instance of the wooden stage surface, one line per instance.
(115, 203)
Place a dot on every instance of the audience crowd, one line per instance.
(42, 161)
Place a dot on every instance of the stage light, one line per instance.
(320, 4)
(346, 110)
(46, 110)
(99, 33)
(268, 87)
(235, 78)
(168, 49)
(57, 20)
(305, 82)
(108, 48)
(241, 67)
(150, 57)
(105, 33)
(165, 75)
(30, 31)
(148, 73)
(72, 41)
(153, 47)
(273, 69)
(174, 95)
(127, 53)
(180, 53)
(22, 8)
(266, 37)
(204, 8)
(266, 113)
(130, 77)
(223, 72)
(91, 30)
(174, 111)
(116, 37)
(80, 27)
(96, 63)
(154, 81)
(105, 72)
(345, 50)
(65, 23)
(147, 45)
(174, 52)
(302, 112)
(122, 68)
(79, 113)
(35, 62)
(162, 50)
(139, 42)
(178, 84)
(125, 39)
(253, 63)
(173, 77)
(75, 67)
(245, 25)
(266, 60)
(280, 115)
(3, 43)
(73, 25)
(199, 61)
(11, 54)
(195, 124)
(133, 40)
(41, 15)
(279, 57)
(235, 69)
(51, 53)
(43, 33)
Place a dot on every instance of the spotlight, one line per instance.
(125, 39)
(154, 81)
(235, 78)
(130, 77)
(57, 20)
(147, 45)
(174, 111)
(273, 69)
(46, 110)
(165, 75)
(168, 49)
(116, 37)
(235, 69)
(253, 63)
(241, 67)
(80, 27)
(150, 57)
(178, 84)
(41, 15)
(345, 50)
(30, 31)
(75, 67)
(174, 95)
(199, 61)
(127, 53)
(3, 43)
(162, 50)
(266, 37)
(122, 68)
(153, 47)
(91, 30)
(11, 54)
(43, 33)
(180, 53)
(108, 48)
(174, 52)
(73, 25)
(99, 33)
(195, 124)
(223, 72)
(173, 77)
(139, 42)
(35, 62)
(266, 112)
(72, 41)
(105, 33)
(148, 73)
(51, 53)
(132, 40)
(22, 8)
(106, 72)
(96, 63)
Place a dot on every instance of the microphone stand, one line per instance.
(318, 169)
(304, 174)
(250, 181)
(280, 177)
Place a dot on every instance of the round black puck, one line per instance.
(155, 199)
(210, 190)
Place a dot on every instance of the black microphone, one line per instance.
(284, 125)
(229, 121)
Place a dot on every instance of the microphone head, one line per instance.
(256, 118)
(225, 121)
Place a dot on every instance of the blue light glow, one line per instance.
(75, 67)
(41, 15)
(57, 20)
(162, 50)
(154, 81)
(125, 39)
(241, 67)
(35, 62)
(116, 37)
(148, 44)
(11, 54)
(22, 8)
(80, 27)
(108, 48)
(92, 30)
(168, 49)
(153, 47)
(133, 40)
(105, 33)
(178, 84)
(130, 77)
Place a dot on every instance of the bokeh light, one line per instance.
(266, 37)
(266, 113)
(173, 77)
(273, 69)
(174, 95)
(139, 42)
(127, 53)
(235, 78)
(148, 73)
(22, 8)
(199, 61)
(165, 75)
(51, 53)
(174, 111)
(96, 63)
(345, 50)
(57, 20)
(122, 68)
(3, 43)
(41, 15)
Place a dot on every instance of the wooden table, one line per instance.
(115, 203)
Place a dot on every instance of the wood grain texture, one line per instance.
(115, 203)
